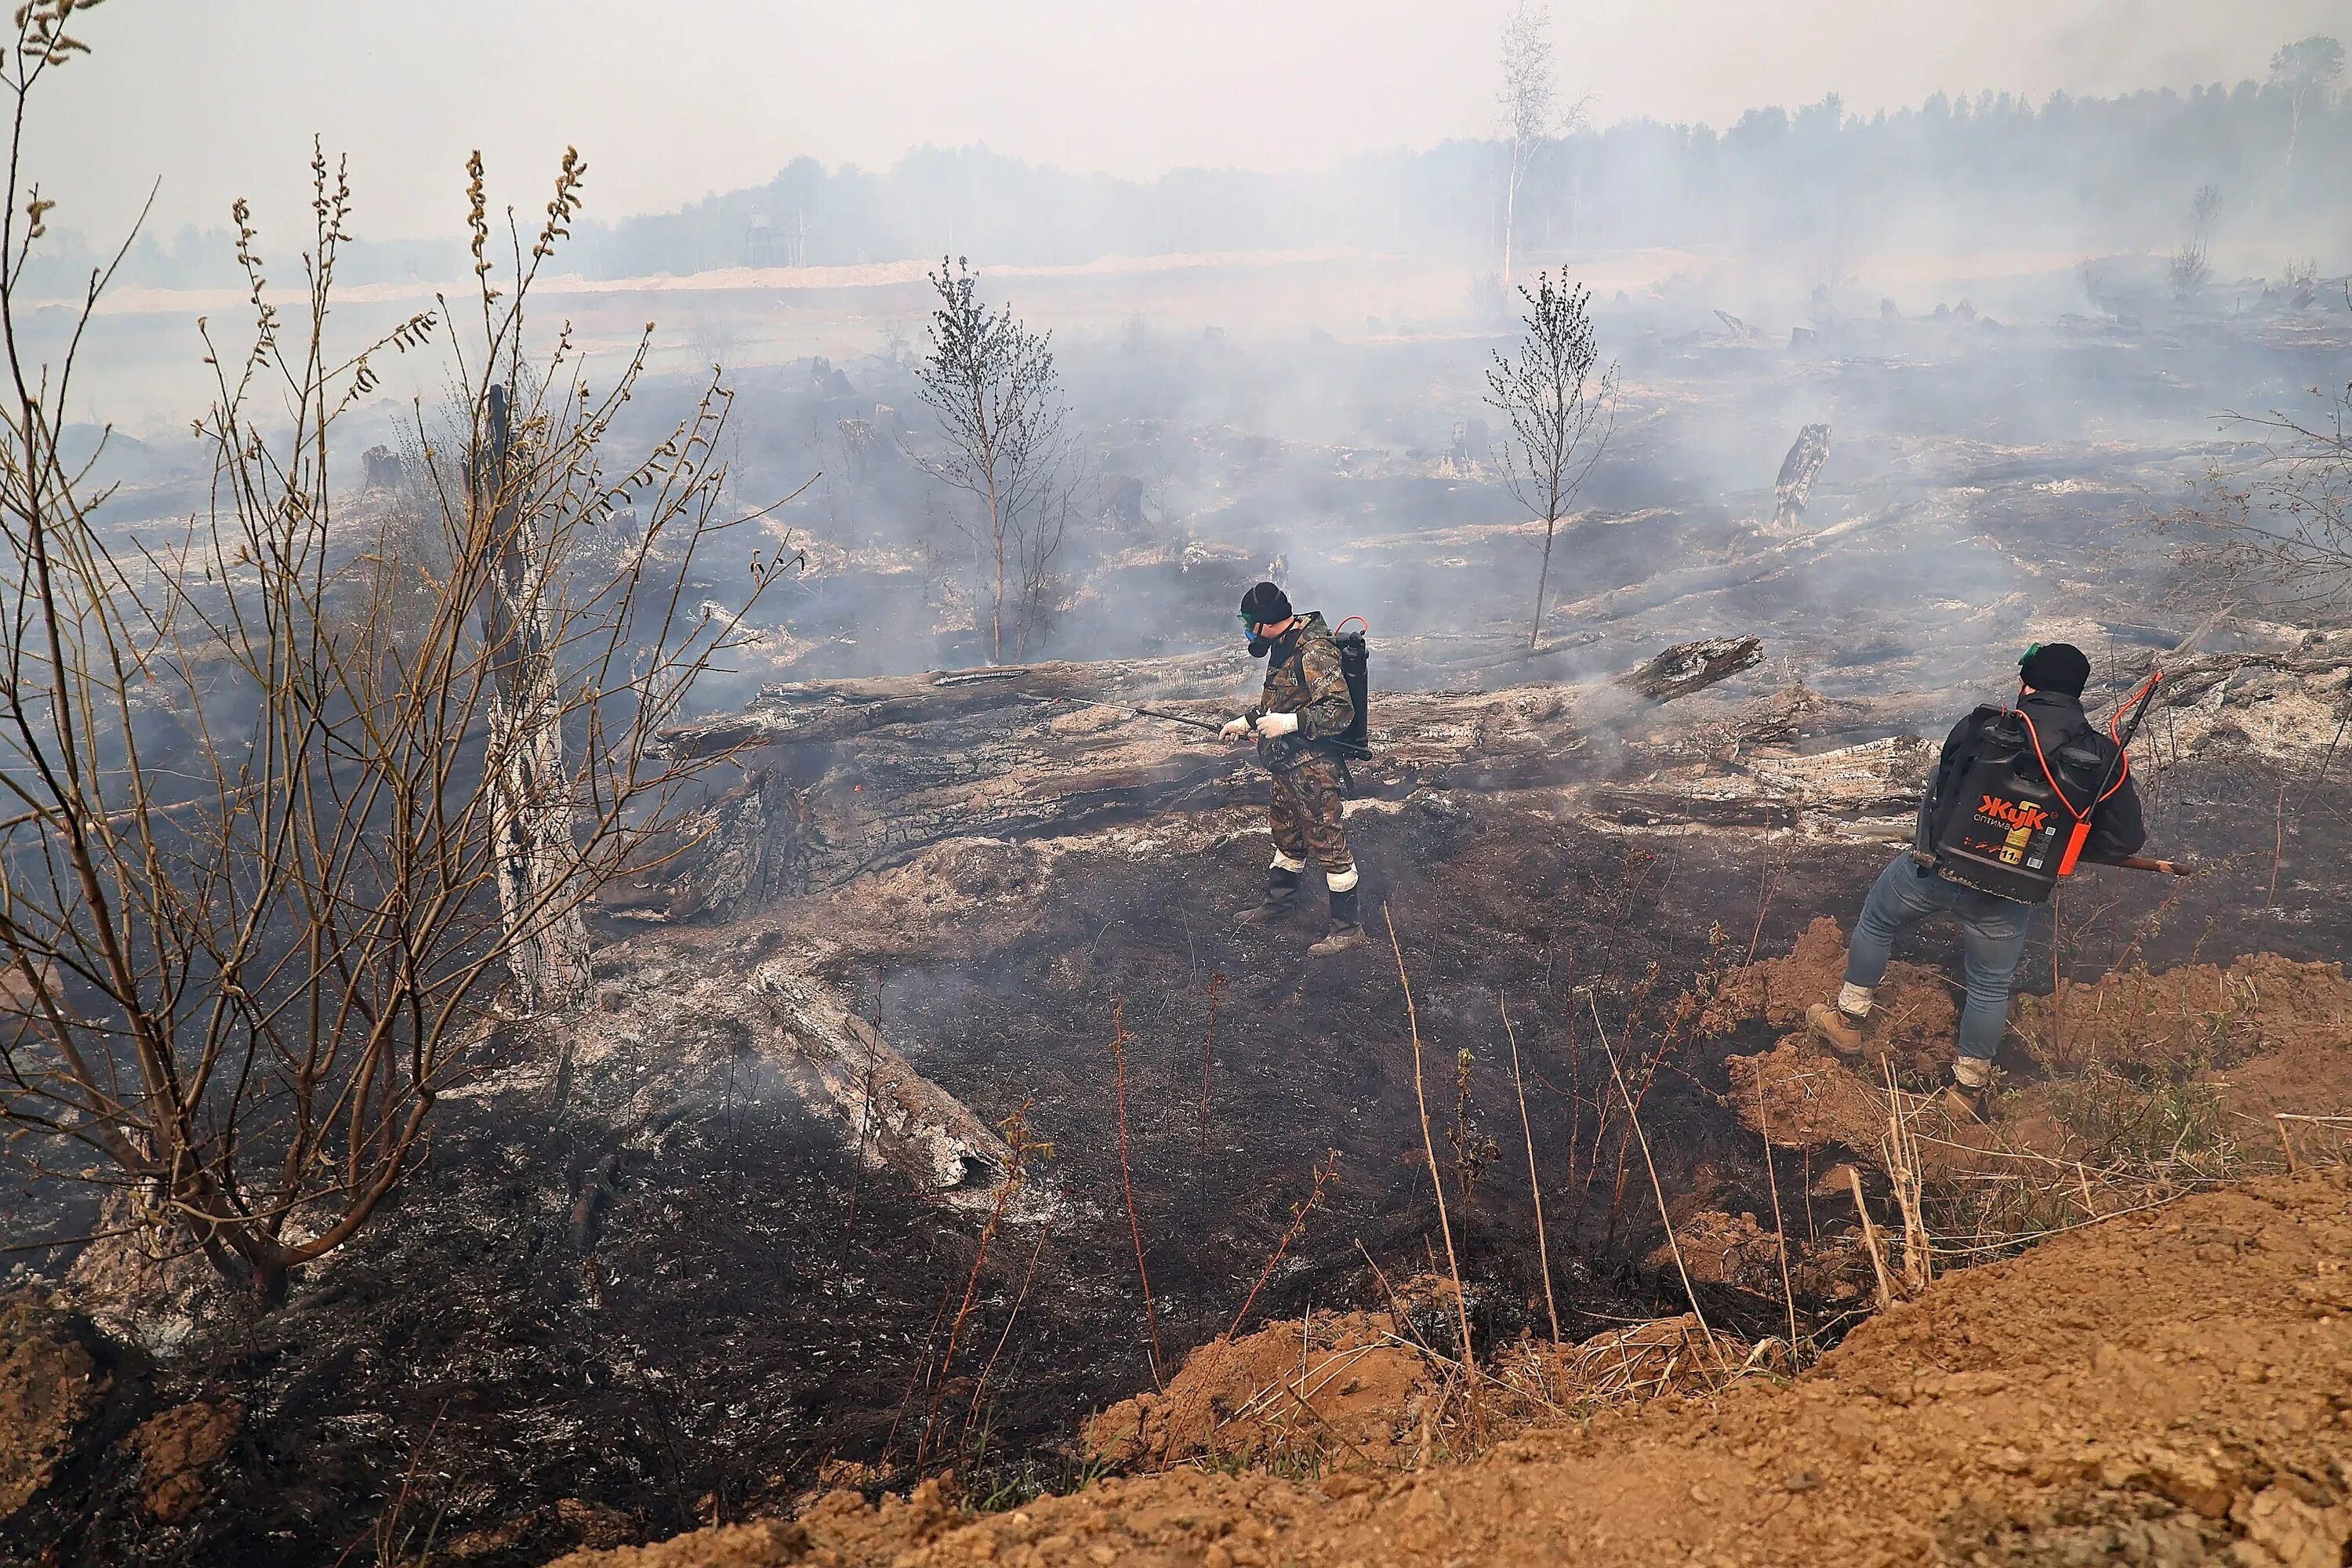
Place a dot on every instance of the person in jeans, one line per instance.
(1992, 928)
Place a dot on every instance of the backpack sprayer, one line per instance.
(2008, 843)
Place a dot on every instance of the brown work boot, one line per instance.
(1346, 930)
(1962, 1101)
(1281, 892)
(1834, 1027)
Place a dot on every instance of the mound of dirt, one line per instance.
(1367, 1390)
(1352, 1380)
(1913, 1020)
(2169, 1387)
(1803, 1097)
(2198, 1015)
(177, 1448)
(56, 1379)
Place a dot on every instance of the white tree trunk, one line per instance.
(531, 805)
(531, 815)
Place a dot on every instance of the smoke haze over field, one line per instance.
(221, 99)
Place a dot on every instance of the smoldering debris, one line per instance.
(1692, 667)
(1805, 458)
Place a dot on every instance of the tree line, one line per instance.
(2100, 173)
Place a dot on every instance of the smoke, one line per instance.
(1283, 374)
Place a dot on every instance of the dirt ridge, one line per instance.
(2169, 1387)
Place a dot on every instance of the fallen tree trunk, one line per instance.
(1692, 667)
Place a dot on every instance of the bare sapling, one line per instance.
(1473, 1151)
(1561, 410)
(1436, 1181)
(1673, 1245)
(1886, 1296)
(1780, 1226)
(1535, 1187)
(1903, 1166)
(1208, 1061)
(308, 798)
(973, 1417)
(1326, 1178)
(991, 387)
(1127, 1181)
(1025, 1147)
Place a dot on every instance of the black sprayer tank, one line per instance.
(2023, 811)
(1355, 667)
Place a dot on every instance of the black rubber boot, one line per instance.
(1346, 930)
(1281, 892)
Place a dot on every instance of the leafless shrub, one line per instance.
(2191, 266)
(2299, 281)
(296, 795)
(2275, 517)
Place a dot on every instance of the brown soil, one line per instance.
(2198, 1015)
(1913, 1020)
(52, 1387)
(1377, 1390)
(176, 1446)
(2169, 1387)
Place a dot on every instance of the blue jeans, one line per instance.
(1992, 938)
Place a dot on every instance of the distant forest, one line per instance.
(2083, 173)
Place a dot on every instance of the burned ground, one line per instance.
(683, 1267)
(664, 1284)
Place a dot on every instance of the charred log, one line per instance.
(1692, 667)
(1798, 469)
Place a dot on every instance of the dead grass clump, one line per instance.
(2124, 1120)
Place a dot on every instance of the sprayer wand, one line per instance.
(1184, 719)
(2122, 734)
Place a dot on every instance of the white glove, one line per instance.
(1236, 729)
(1275, 725)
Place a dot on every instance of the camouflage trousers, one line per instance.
(1305, 816)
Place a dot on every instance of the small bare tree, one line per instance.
(991, 383)
(1532, 116)
(1561, 412)
(297, 791)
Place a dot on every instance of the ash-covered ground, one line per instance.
(704, 1252)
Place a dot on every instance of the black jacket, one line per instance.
(2116, 829)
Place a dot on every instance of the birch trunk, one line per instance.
(531, 806)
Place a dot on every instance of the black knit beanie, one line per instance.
(2055, 667)
(1266, 604)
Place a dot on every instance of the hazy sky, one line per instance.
(218, 97)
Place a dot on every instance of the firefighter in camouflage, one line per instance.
(1305, 704)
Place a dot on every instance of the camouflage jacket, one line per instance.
(1302, 677)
